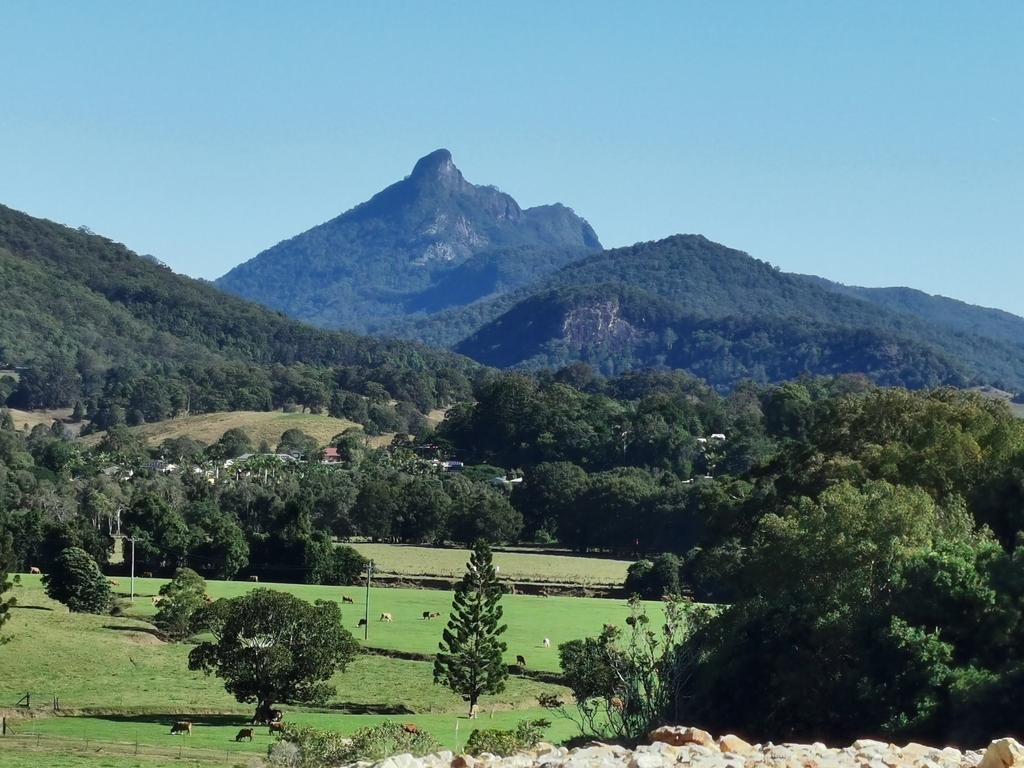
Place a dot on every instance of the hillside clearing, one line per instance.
(25, 420)
(259, 425)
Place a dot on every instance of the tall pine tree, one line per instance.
(470, 657)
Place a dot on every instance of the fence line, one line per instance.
(73, 745)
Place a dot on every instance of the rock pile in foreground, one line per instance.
(692, 747)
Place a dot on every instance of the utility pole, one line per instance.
(132, 598)
(366, 615)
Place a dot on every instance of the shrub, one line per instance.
(346, 566)
(182, 597)
(624, 683)
(309, 748)
(376, 742)
(526, 734)
(653, 579)
(76, 580)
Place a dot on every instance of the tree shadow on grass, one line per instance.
(31, 607)
(147, 630)
(368, 709)
(167, 720)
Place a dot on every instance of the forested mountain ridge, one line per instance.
(616, 328)
(941, 310)
(408, 250)
(94, 322)
(720, 310)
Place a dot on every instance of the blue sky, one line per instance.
(875, 143)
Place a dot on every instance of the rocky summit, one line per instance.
(693, 747)
(427, 242)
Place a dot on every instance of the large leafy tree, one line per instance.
(272, 647)
(76, 580)
(470, 657)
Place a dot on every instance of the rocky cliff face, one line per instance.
(600, 322)
(691, 747)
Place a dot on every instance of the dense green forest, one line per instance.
(430, 241)
(939, 310)
(92, 323)
(615, 328)
(869, 538)
(690, 300)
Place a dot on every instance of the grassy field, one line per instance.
(530, 619)
(120, 686)
(535, 566)
(25, 420)
(259, 425)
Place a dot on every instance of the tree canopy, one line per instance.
(272, 647)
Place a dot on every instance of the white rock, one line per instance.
(650, 760)
(404, 760)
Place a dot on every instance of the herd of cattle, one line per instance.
(276, 720)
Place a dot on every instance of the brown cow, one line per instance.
(277, 727)
(347, 599)
(34, 569)
(411, 728)
(244, 733)
(157, 599)
(521, 661)
(114, 582)
(182, 726)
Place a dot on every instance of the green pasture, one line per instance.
(216, 733)
(119, 686)
(530, 619)
(535, 566)
(105, 663)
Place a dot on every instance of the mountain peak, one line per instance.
(437, 166)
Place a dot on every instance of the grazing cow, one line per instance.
(386, 617)
(34, 569)
(521, 661)
(182, 726)
(547, 642)
(426, 614)
(277, 727)
(157, 599)
(347, 599)
(114, 582)
(147, 574)
(411, 728)
(362, 623)
(245, 734)
(474, 711)
(254, 578)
